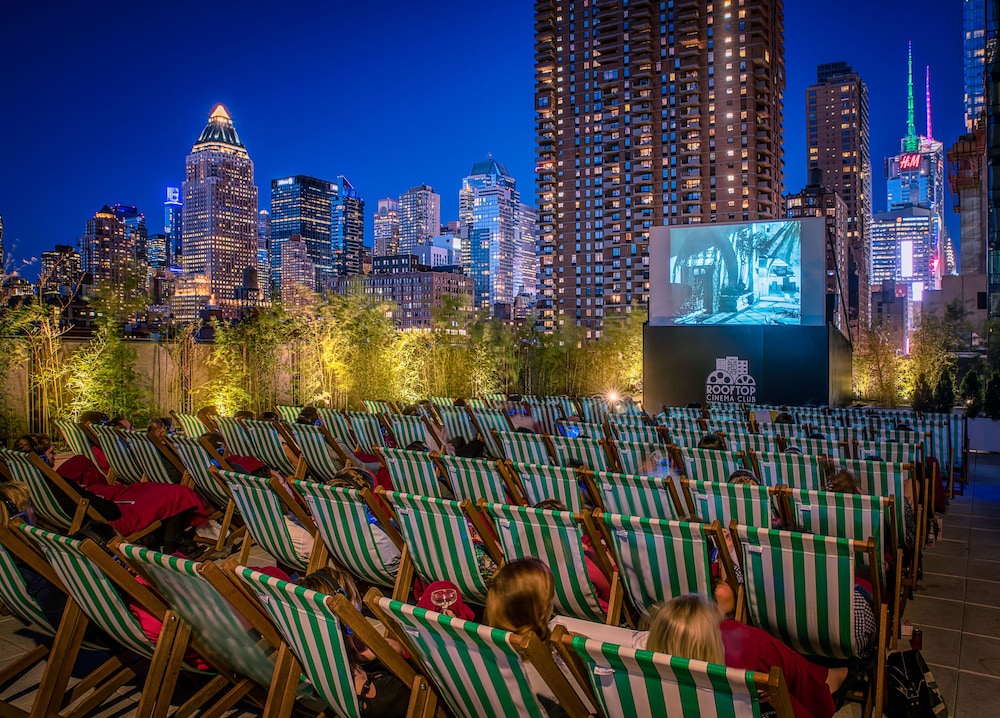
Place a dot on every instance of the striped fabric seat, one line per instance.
(189, 424)
(937, 441)
(630, 682)
(524, 448)
(476, 402)
(264, 515)
(494, 680)
(43, 494)
(441, 401)
(546, 416)
(236, 438)
(16, 598)
(757, 443)
(116, 450)
(197, 463)
(710, 464)
(439, 542)
(488, 420)
(147, 455)
(747, 504)
(583, 452)
(579, 429)
(342, 520)
(338, 426)
(319, 456)
(77, 439)
(647, 496)
(818, 447)
(268, 446)
(555, 537)
(727, 426)
(542, 482)
(798, 471)
(893, 452)
(626, 420)
(880, 478)
(376, 406)
(408, 429)
(593, 409)
(412, 472)
(800, 588)
(638, 434)
(457, 422)
(843, 435)
(288, 414)
(475, 479)
(680, 422)
(687, 438)
(367, 430)
(683, 412)
(640, 459)
(658, 560)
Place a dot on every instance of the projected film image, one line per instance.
(737, 273)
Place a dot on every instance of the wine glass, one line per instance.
(444, 597)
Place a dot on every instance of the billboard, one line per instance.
(739, 274)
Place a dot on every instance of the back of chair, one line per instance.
(407, 429)
(818, 447)
(493, 680)
(546, 416)
(76, 437)
(267, 445)
(320, 457)
(118, 453)
(412, 472)
(367, 429)
(593, 409)
(555, 538)
(631, 682)
(377, 406)
(648, 496)
(758, 443)
(894, 452)
(542, 482)
(288, 414)
(343, 522)
(339, 426)
(43, 494)
(488, 420)
(710, 464)
(198, 462)
(880, 478)
(524, 448)
(238, 441)
(475, 479)
(457, 422)
(798, 471)
(744, 503)
(639, 459)
(581, 452)
(638, 434)
(148, 456)
(190, 424)
(658, 560)
(14, 594)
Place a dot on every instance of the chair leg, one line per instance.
(878, 683)
(281, 696)
(166, 665)
(65, 649)
(423, 701)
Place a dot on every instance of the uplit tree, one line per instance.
(877, 370)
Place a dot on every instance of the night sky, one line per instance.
(100, 102)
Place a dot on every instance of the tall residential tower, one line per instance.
(419, 217)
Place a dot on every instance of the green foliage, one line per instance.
(991, 397)
(877, 368)
(944, 393)
(971, 392)
(922, 399)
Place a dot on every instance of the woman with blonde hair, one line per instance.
(521, 597)
(688, 626)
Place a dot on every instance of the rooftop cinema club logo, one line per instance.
(731, 381)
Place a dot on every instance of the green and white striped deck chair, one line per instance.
(843, 435)
(310, 623)
(653, 497)
(566, 404)
(147, 455)
(237, 440)
(638, 459)
(639, 434)
(737, 415)
(710, 464)
(542, 482)
(937, 441)
(554, 537)
(267, 445)
(629, 420)
(367, 429)
(321, 459)
(457, 422)
(485, 421)
(546, 416)
(412, 472)
(683, 423)
(798, 471)
(495, 397)
(800, 588)
(893, 452)
(683, 412)
(629, 682)
(590, 453)
(476, 402)
(408, 429)
(818, 447)
(494, 679)
(441, 401)
(342, 520)
(287, 413)
(658, 560)
(438, 543)
(124, 466)
(190, 424)
(727, 427)
(752, 442)
(262, 509)
(745, 503)
(525, 448)
(687, 438)
(379, 406)
(197, 463)
(880, 478)
(593, 409)
(581, 429)
(77, 439)
(809, 416)
(43, 494)
(826, 424)
(475, 479)
(339, 427)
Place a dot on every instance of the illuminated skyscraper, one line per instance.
(901, 252)
(298, 279)
(525, 253)
(347, 227)
(489, 210)
(220, 209)
(107, 249)
(302, 206)
(974, 50)
(839, 145)
(264, 252)
(173, 212)
(648, 114)
(387, 228)
(419, 217)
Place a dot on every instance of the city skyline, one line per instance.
(467, 105)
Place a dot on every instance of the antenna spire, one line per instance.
(930, 135)
(911, 143)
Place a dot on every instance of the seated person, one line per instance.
(691, 626)
(713, 441)
(600, 582)
(357, 479)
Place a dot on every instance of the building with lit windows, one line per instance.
(108, 249)
(648, 114)
(61, 271)
(526, 255)
(489, 211)
(386, 228)
(839, 145)
(419, 217)
(220, 210)
(302, 206)
(173, 226)
(264, 253)
(902, 250)
(974, 51)
(347, 227)
(298, 273)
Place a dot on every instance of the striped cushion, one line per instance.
(636, 495)
(748, 504)
(319, 456)
(412, 472)
(263, 514)
(550, 482)
(475, 479)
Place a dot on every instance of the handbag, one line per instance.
(911, 691)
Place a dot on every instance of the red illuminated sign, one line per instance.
(910, 162)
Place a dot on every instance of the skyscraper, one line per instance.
(298, 272)
(264, 253)
(489, 210)
(3, 268)
(419, 217)
(60, 271)
(648, 114)
(106, 252)
(302, 206)
(974, 51)
(220, 209)
(525, 253)
(173, 211)
(839, 145)
(387, 227)
(901, 252)
(347, 227)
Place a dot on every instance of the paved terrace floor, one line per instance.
(957, 607)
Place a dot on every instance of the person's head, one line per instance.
(843, 482)
(418, 446)
(743, 476)
(94, 417)
(817, 435)
(120, 422)
(520, 598)
(783, 417)
(722, 594)
(216, 439)
(245, 415)
(270, 416)
(688, 627)
(353, 477)
(903, 426)
(308, 415)
(39, 444)
(793, 450)
(15, 497)
(712, 441)
(156, 427)
(333, 581)
(551, 505)
(168, 424)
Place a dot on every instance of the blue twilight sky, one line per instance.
(101, 101)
